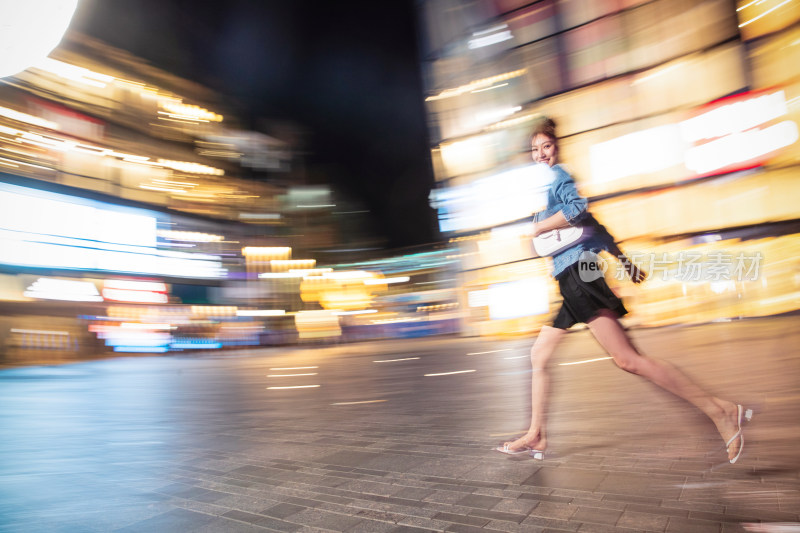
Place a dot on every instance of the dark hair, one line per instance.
(544, 126)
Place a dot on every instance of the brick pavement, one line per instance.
(627, 459)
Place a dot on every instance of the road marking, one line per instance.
(586, 361)
(295, 368)
(449, 373)
(290, 375)
(490, 351)
(295, 387)
(393, 360)
(354, 403)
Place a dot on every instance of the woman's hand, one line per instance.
(637, 274)
(536, 230)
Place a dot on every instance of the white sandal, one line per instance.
(536, 454)
(747, 414)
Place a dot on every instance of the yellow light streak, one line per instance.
(477, 84)
(490, 88)
(39, 331)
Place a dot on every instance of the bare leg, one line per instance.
(542, 350)
(610, 334)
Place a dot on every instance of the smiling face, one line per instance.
(544, 149)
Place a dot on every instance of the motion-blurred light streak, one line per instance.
(395, 360)
(358, 403)
(260, 312)
(63, 289)
(449, 373)
(585, 361)
(767, 12)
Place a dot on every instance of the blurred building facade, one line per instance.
(129, 196)
(138, 215)
(678, 120)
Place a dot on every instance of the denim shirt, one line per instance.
(563, 196)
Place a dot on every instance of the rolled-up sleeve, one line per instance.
(573, 205)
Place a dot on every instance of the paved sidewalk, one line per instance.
(624, 455)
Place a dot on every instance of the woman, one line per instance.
(593, 303)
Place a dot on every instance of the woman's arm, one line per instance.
(556, 221)
(573, 205)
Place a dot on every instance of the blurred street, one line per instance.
(398, 436)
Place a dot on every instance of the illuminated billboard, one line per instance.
(497, 199)
(41, 229)
(734, 133)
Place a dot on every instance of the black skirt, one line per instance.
(583, 300)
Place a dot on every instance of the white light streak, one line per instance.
(356, 403)
(59, 289)
(398, 279)
(161, 189)
(767, 12)
(449, 373)
(488, 40)
(295, 368)
(260, 312)
(586, 361)
(394, 360)
(748, 5)
(123, 295)
(294, 387)
(127, 285)
(290, 375)
(260, 216)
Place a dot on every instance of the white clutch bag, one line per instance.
(553, 241)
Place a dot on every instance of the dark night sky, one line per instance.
(348, 71)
